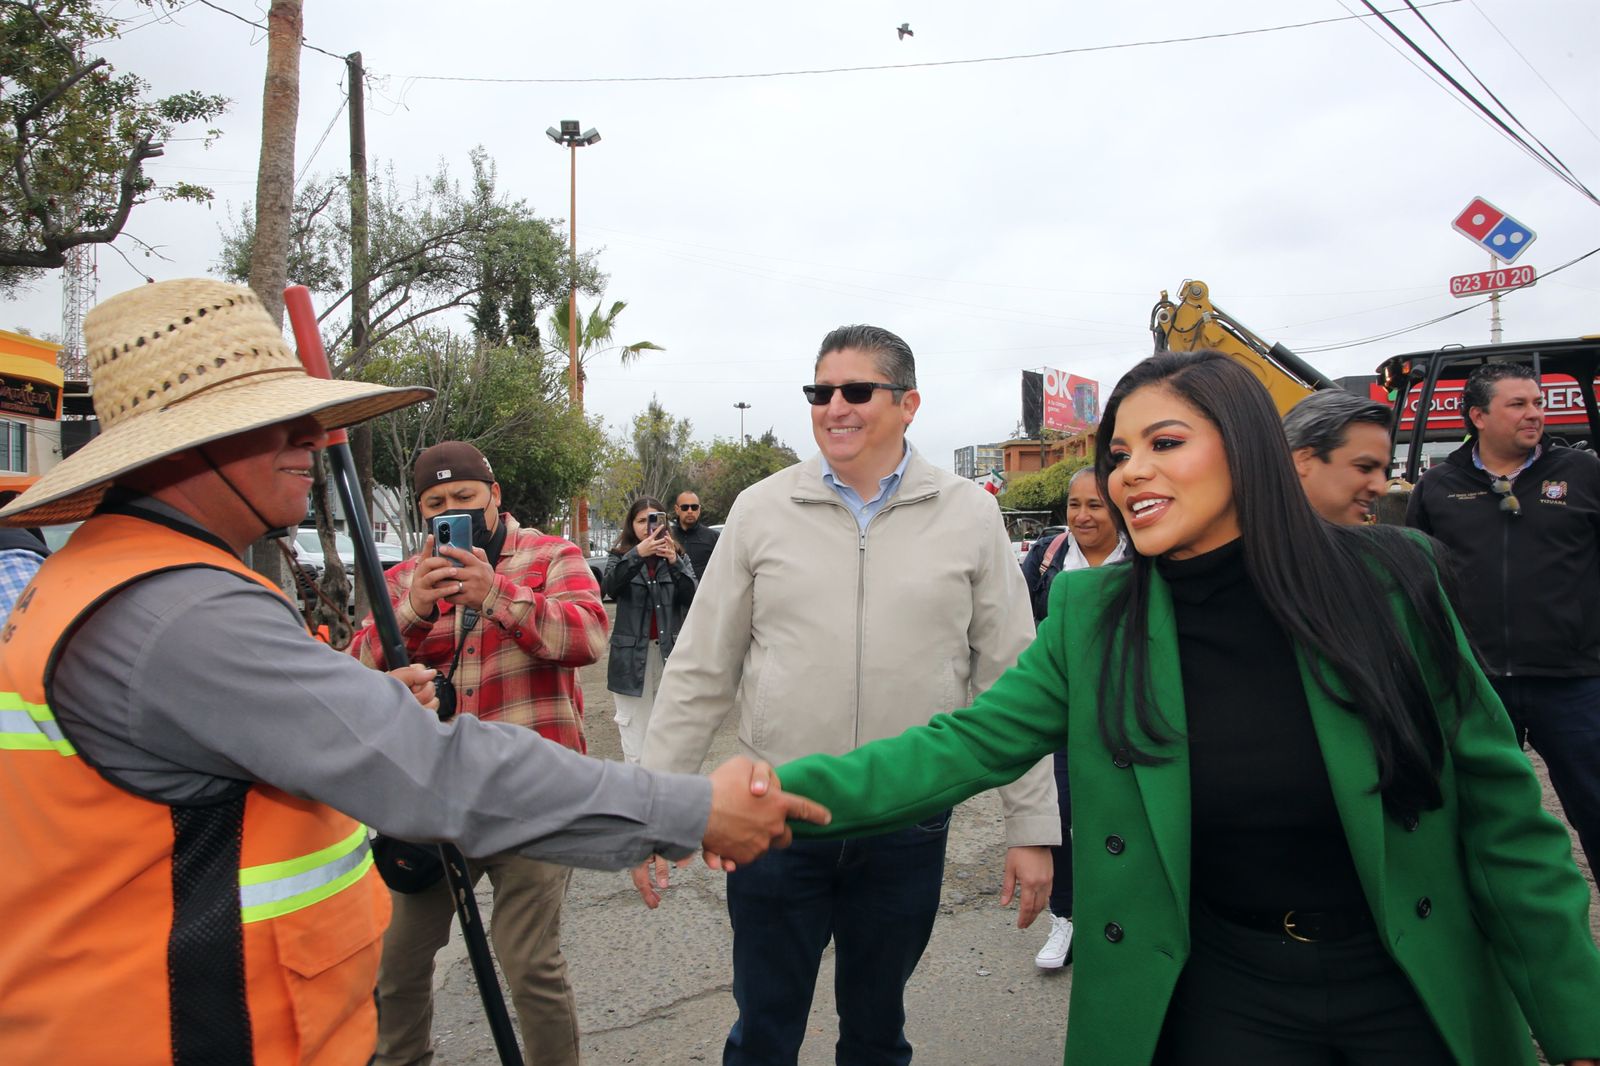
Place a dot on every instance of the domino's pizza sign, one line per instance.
(1493, 230)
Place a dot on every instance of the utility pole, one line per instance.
(743, 407)
(360, 293)
(360, 298)
(1494, 304)
(580, 503)
(568, 136)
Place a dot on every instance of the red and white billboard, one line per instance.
(1563, 403)
(1071, 403)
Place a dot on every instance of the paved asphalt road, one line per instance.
(653, 987)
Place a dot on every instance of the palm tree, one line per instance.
(269, 255)
(594, 336)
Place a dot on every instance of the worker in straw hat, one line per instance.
(184, 771)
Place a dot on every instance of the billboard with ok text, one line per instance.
(1071, 403)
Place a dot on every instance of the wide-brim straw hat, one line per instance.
(179, 364)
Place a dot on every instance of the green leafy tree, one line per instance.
(662, 445)
(436, 245)
(75, 135)
(653, 458)
(1045, 490)
(617, 485)
(728, 468)
(510, 402)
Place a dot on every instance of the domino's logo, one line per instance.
(1493, 230)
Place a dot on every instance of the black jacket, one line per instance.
(1529, 592)
(1039, 582)
(667, 595)
(22, 540)
(697, 541)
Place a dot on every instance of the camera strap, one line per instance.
(469, 621)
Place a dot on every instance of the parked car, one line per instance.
(308, 550)
(597, 565)
(1025, 545)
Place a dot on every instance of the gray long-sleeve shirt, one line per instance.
(188, 682)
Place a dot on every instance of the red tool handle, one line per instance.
(308, 339)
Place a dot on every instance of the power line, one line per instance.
(900, 299)
(902, 66)
(1535, 70)
(262, 26)
(306, 166)
(1442, 318)
(1048, 290)
(1556, 168)
(165, 16)
(1487, 91)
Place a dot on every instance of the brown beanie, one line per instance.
(451, 460)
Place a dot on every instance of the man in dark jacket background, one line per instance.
(1521, 517)
(697, 540)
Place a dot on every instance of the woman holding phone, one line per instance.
(653, 582)
(1304, 832)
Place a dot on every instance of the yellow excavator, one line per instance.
(1194, 322)
(1412, 381)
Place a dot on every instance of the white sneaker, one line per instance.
(1057, 950)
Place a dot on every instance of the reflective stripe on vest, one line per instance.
(267, 891)
(280, 888)
(28, 726)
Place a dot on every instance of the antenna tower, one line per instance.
(80, 280)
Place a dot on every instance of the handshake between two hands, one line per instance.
(750, 811)
(750, 814)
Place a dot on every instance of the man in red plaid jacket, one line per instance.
(516, 616)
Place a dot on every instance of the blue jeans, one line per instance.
(1560, 718)
(876, 898)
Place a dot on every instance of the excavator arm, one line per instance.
(1196, 323)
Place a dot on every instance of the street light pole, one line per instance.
(572, 297)
(743, 407)
(567, 136)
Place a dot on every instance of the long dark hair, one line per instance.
(1326, 585)
(629, 540)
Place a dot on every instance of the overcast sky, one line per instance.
(999, 216)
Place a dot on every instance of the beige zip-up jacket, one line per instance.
(825, 638)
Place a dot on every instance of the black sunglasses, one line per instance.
(854, 392)
(1508, 503)
(688, 507)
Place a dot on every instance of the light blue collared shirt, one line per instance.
(852, 499)
(1477, 461)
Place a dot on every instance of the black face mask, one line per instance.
(480, 525)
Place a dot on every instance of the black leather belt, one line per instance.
(1308, 927)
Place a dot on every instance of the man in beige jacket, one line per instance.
(851, 596)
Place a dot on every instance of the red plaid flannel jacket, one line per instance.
(541, 621)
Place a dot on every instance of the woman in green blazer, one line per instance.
(1304, 831)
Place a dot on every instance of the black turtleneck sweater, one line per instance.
(1266, 834)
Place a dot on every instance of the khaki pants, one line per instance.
(526, 931)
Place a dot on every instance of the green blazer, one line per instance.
(1479, 902)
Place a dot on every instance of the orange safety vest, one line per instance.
(242, 931)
